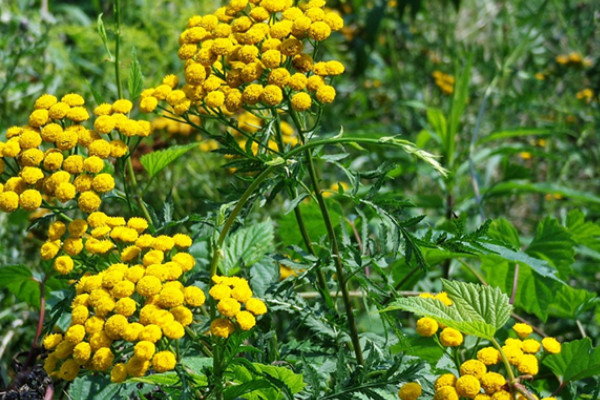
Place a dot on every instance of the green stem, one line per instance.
(321, 281)
(339, 267)
(136, 189)
(117, 47)
(507, 365)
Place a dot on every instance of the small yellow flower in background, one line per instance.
(410, 391)
(586, 95)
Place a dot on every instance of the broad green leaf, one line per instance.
(478, 310)
(293, 381)
(502, 230)
(247, 246)
(157, 160)
(541, 267)
(95, 387)
(534, 293)
(584, 233)
(236, 391)
(513, 133)
(419, 347)
(577, 360)
(553, 243)
(135, 82)
(570, 302)
(19, 280)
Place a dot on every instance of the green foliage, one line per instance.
(19, 280)
(246, 246)
(477, 310)
(158, 160)
(577, 360)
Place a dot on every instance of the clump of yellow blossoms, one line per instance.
(58, 158)
(253, 55)
(443, 81)
(231, 293)
(120, 314)
(481, 378)
(586, 95)
(573, 59)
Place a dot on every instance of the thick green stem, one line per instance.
(507, 365)
(117, 47)
(339, 267)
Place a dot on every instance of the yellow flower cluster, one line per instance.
(573, 59)
(251, 52)
(130, 306)
(477, 380)
(443, 81)
(230, 293)
(46, 158)
(586, 95)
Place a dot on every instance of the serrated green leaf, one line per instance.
(534, 293)
(570, 302)
(247, 246)
(237, 391)
(553, 243)
(135, 82)
(293, 381)
(19, 280)
(93, 388)
(577, 360)
(585, 233)
(157, 160)
(502, 230)
(478, 310)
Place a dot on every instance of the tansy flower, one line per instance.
(163, 361)
(410, 391)
(445, 380)
(473, 367)
(468, 386)
(427, 327)
(221, 327)
(551, 345)
(450, 337)
(492, 382)
(522, 330)
(446, 393)
(489, 356)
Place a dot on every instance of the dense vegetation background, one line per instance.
(504, 92)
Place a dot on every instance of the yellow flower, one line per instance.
(102, 359)
(58, 110)
(473, 367)
(182, 241)
(82, 352)
(173, 330)
(103, 183)
(446, 393)
(185, 260)
(73, 164)
(118, 373)
(45, 101)
(410, 391)
(221, 327)
(75, 334)
(63, 265)
(52, 340)
(492, 382)
(79, 315)
(194, 296)
(326, 94)
(551, 345)
(38, 118)
(445, 380)
(528, 365)
(183, 315)
(69, 370)
(427, 327)
(122, 106)
(468, 386)
(133, 332)
(88, 202)
(105, 124)
(256, 306)
(135, 273)
(489, 356)
(245, 320)
(148, 104)
(148, 286)
(301, 101)
(163, 361)
(513, 354)
(170, 297)
(65, 192)
(99, 148)
(9, 201)
(522, 330)
(229, 307)
(531, 346)
(144, 350)
(450, 337)
(502, 395)
(297, 81)
(93, 165)
(73, 100)
(151, 333)
(64, 349)
(78, 114)
(30, 200)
